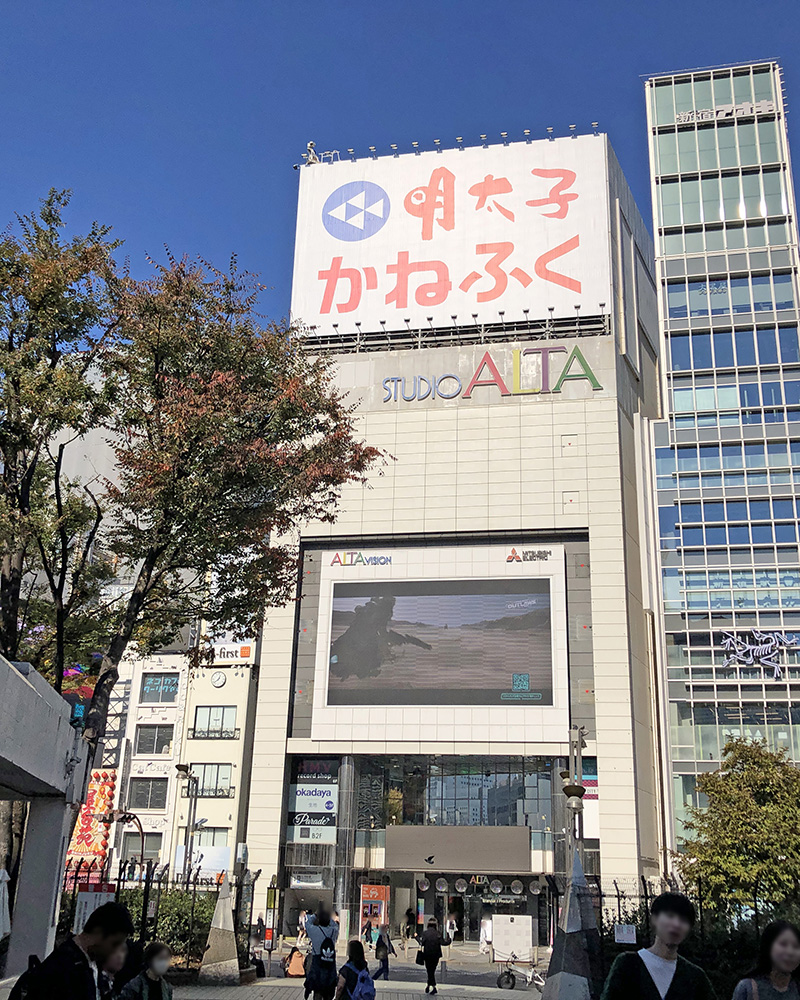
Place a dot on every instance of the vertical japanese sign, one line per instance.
(90, 837)
(483, 234)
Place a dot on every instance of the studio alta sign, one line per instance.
(489, 377)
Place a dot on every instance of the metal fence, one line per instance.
(175, 910)
(724, 941)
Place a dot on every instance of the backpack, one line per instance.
(327, 952)
(364, 988)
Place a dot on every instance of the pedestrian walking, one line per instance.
(431, 945)
(383, 949)
(659, 971)
(72, 971)
(150, 983)
(366, 933)
(355, 982)
(302, 938)
(775, 976)
(408, 929)
(322, 933)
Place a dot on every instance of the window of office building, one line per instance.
(161, 688)
(132, 846)
(213, 780)
(147, 793)
(151, 740)
(212, 836)
(214, 722)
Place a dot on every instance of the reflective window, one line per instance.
(768, 141)
(762, 293)
(687, 150)
(787, 338)
(701, 350)
(784, 294)
(698, 298)
(740, 295)
(676, 301)
(745, 348)
(679, 351)
(667, 152)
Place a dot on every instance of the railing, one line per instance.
(211, 791)
(213, 734)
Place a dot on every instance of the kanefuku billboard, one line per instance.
(483, 234)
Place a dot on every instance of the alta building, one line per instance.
(492, 313)
(727, 461)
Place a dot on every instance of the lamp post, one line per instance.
(124, 817)
(188, 842)
(572, 787)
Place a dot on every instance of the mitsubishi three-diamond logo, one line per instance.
(356, 211)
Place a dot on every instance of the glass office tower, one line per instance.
(727, 459)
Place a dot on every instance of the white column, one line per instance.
(33, 926)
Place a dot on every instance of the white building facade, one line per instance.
(492, 312)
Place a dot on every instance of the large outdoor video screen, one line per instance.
(441, 642)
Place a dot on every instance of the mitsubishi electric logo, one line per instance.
(529, 555)
(356, 211)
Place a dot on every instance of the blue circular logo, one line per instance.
(356, 211)
(329, 804)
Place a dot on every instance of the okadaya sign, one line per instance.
(313, 803)
(557, 365)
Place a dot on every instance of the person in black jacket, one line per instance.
(659, 972)
(71, 972)
(431, 942)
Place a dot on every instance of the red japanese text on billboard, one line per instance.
(90, 836)
(502, 233)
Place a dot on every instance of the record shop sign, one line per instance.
(556, 366)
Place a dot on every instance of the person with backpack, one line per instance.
(72, 971)
(322, 933)
(775, 976)
(431, 943)
(383, 949)
(354, 978)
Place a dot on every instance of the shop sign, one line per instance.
(313, 802)
(90, 838)
(488, 375)
(725, 111)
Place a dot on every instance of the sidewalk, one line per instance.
(291, 989)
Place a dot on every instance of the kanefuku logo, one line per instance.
(359, 559)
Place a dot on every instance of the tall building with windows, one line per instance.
(727, 459)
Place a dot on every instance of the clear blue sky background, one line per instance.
(179, 122)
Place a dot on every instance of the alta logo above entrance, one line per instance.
(487, 374)
(359, 559)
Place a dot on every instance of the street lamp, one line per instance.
(572, 787)
(185, 771)
(124, 817)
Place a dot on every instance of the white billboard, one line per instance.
(482, 234)
(442, 643)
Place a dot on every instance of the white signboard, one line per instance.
(625, 933)
(484, 234)
(314, 798)
(512, 937)
(88, 899)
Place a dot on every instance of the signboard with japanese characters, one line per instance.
(90, 837)
(454, 237)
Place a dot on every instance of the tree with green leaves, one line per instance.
(227, 437)
(55, 323)
(744, 844)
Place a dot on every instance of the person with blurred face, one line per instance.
(659, 971)
(73, 970)
(775, 974)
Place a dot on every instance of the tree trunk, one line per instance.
(12, 830)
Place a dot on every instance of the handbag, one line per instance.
(420, 959)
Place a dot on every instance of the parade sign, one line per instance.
(454, 237)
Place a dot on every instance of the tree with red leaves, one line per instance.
(228, 436)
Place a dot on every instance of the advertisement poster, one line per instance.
(475, 234)
(90, 837)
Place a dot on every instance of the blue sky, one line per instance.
(179, 122)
